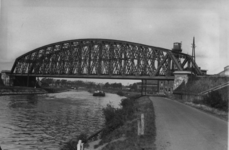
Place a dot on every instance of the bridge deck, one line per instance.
(101, 76)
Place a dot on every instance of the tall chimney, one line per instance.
(193, 50)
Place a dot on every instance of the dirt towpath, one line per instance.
(181, 127)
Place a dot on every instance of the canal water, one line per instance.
(39, 122)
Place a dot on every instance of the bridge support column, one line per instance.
(180, 77)
(143, 87)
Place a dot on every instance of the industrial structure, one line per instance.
(224, 73)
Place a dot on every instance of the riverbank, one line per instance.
(17, 90)
(122, 92)
(55, 90)
(126, 136)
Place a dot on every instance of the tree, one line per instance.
(215, 100)
(57, 82)
(46, 81)
(134, 86)
(107, 85)
(116, 85)
(63, 82)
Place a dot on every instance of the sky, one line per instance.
(29, 24)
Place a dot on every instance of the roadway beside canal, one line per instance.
(179, 126)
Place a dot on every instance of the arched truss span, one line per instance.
(102, 57)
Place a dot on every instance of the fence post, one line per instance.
(141, 125)
(79, 145)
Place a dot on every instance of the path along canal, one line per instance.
(31, 122)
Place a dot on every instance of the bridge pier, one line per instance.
(29, 81)
(143, 87)
(180, 77)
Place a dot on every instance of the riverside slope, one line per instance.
(181, 127)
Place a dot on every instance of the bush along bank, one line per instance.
(212, 103)
(120, 93)
(121, 125)
(214, 100)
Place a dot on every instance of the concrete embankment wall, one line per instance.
(20, 90)
(1, 82)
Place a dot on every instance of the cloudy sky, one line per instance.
(28, 24)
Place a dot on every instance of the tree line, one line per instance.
(50, 82)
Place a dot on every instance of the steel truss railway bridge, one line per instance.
(101, 59)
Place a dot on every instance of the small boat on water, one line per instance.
(99, 93)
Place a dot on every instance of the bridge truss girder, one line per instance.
(102, 57)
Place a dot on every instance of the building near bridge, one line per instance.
(225, 72)
(150, 86)
(5, 76)
(165, 86)
(156, 86)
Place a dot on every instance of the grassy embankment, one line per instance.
(17, 90)
(120, 129)
(196, 85)
(216, 102)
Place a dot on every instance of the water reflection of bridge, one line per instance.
(101, 59)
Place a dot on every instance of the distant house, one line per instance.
(52, 85)
(125, 88)
(165, 86)
(81, 88)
